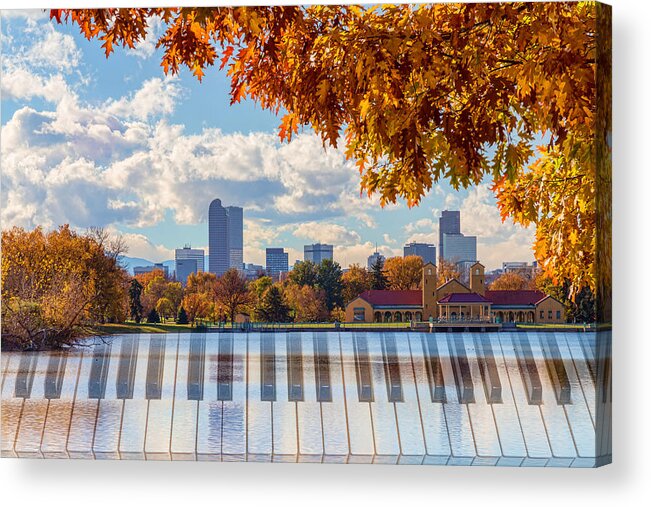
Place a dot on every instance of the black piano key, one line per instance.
(267, 367)
(433, 367)
(363, 368)
(587, 341)
(556, 369)
(603, 349)
(391, 367)
(155, 364)
(127, 368)
(528, 370)
(99, 371)
(461, 369)
(225, 368)
(56, 369)
(196, 366)
(25, 375)
(322, 367)
(294, 367)
(488, 368)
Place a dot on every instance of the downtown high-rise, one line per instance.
(225, 237)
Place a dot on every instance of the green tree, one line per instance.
(304, 273)
(153, 317)
(328, 278)
(378, 278)
(273, 307)
(182, 317)
(165, 308)
(135, 306)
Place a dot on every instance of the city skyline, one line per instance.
(169, 145)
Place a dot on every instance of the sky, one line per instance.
(115, 143)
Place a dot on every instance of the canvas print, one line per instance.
(330, 234)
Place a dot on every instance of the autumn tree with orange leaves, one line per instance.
(424, 93)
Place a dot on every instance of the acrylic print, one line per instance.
(326, 234)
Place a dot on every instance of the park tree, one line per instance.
(378, 277)
(195, 305)
(165, 308)
(308, 304)
(135, 305)
(273, 307)
(153, 317)
(328, 278)
(304, 273)
(182, 316)
(202, 282)
(174, 294)
(509, 281)
(355, 281)
(404, 273)
(421, 93)
(446, 271)
(232, 293)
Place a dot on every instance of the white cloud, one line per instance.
(359, 253)
(156, 97)
(54, 50)
(329, 233)
(138, 245)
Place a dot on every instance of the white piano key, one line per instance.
(462, 442)
(581, 424)
(360, 428)
(283, 411)
(260, 443)
(507, 421)
(335, 428)
(57, 424)
(184, 419)
(134, 418)
(408, 415)
(558, 431)
(533, 429)
(32, 419)
(385, 430)
(481, 416)
(310, 434)
(209, 425)
(234, 411)
(109, 414)
(11, 406)
(159, 416)
(435, 430)
(84, 413)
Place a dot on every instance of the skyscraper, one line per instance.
(449, 223)
(188, 260)
(317, 252)
(235, 237)
(225, 237)
(425, 251)
(458, 248)
(373, 258)
(277, 261)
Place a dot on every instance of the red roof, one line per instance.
(514, 297)
(460, 297)
(393, 297)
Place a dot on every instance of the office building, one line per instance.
(141, 270)
(277, 261)
(188, 260)
(373, 258)
(449, 223)
(425, 251)
(317, 252)
(459, 248)
(225, 237)
(253, 271)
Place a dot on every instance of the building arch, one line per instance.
(408, 316)
(419, 316)
(387, 316)
(397, 317)
(377, 317)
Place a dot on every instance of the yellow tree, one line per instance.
(509, 281)
(404, 273)
(427, 92)
(355, 281)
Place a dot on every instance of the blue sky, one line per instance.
(116, 143)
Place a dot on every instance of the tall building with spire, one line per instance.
(225, 237)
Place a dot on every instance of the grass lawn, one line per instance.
(555, 326)
(143, 327)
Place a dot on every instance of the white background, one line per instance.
(626, 481)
